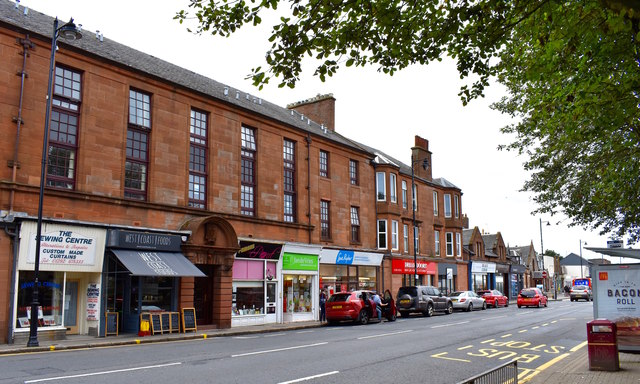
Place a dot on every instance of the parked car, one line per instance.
(494, 298)
(423, 299)
(467, 300)
(578, 292)
(532, 297)
(358, 306)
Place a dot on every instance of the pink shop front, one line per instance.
(255, 284)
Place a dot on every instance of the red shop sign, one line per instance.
(406, 267)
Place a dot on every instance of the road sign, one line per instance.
(544, 274)
(614, 244)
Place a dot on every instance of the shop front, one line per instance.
(517, 279)
(348, 270)
(447, 277)
(300, 285)
(426, 271)
(502, 278)
(142, 274)
(255, 284)
(482, 275)
(70, 266)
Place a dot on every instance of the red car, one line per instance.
(358, 306)
(494, 298)
(532, 297)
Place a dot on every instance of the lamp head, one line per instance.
(69, 31)
(425, 164)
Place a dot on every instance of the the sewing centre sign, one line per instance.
(63, 248)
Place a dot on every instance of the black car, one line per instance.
(424, 299)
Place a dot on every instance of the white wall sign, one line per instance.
(63, 248)
(483, 267)
(93, 301)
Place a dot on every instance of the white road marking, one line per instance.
(309, 377)
(101, 373)
(246, 337)
(275, 334)
(450, 324)
(384, 334)
(278, 349)
(494, 317)
(305, 331)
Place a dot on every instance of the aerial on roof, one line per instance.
(38, 25)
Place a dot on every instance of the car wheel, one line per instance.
(506, 303)
(404, 314)
(449, 309)
(392, 317)
(332, 322)
(539, 302)
(519, 306)
(363, 318)
(429, 311)
(484, 306)
(546, 303)
(470, 307)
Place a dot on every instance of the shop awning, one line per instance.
(146, 263)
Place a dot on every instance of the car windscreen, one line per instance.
(482, 293)
(580, 287)
(455, 294)
(339, 297)
(528, 293)
(411, 291)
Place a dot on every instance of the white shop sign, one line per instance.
(483, 267)
(63, 247)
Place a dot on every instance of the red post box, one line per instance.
(603, 345)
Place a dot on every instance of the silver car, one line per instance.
(579, 292)
(467, 300)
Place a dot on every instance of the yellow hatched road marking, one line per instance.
(441, 356)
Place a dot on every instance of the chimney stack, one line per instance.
(420, 153)
(320, 109)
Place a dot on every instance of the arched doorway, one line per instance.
(211, 247)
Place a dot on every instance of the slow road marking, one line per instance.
(101, 373)
(279, 349)
(309, 377)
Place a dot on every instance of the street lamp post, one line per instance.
(425, 164)
(68, 31)
(581, 243)
(555, 288)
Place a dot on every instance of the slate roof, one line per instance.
(489, 241)
(466, 235)
(383, 158)
(39, 25)
(523, 252)
(572, 260)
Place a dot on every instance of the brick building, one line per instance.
(166, 190)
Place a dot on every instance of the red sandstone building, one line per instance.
(167, 190)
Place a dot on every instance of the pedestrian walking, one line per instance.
(323, 306)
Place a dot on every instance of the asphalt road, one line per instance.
(440, 349)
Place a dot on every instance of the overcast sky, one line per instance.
(378, 110)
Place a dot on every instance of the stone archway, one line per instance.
(211, 247)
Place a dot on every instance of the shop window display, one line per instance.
(50, 291)
(297, 292)
(156, 293)
(249, 287)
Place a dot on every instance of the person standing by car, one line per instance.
(323, 306)
(378, 302)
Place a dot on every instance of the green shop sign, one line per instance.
(299, 261)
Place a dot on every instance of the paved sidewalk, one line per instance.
(574, 369)
(83, 341)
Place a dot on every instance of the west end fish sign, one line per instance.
(63, 248)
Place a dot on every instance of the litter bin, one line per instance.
(603, 345)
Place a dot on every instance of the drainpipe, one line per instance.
(308, 141)
(26, 45)
(12, 288)
(375, 223)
